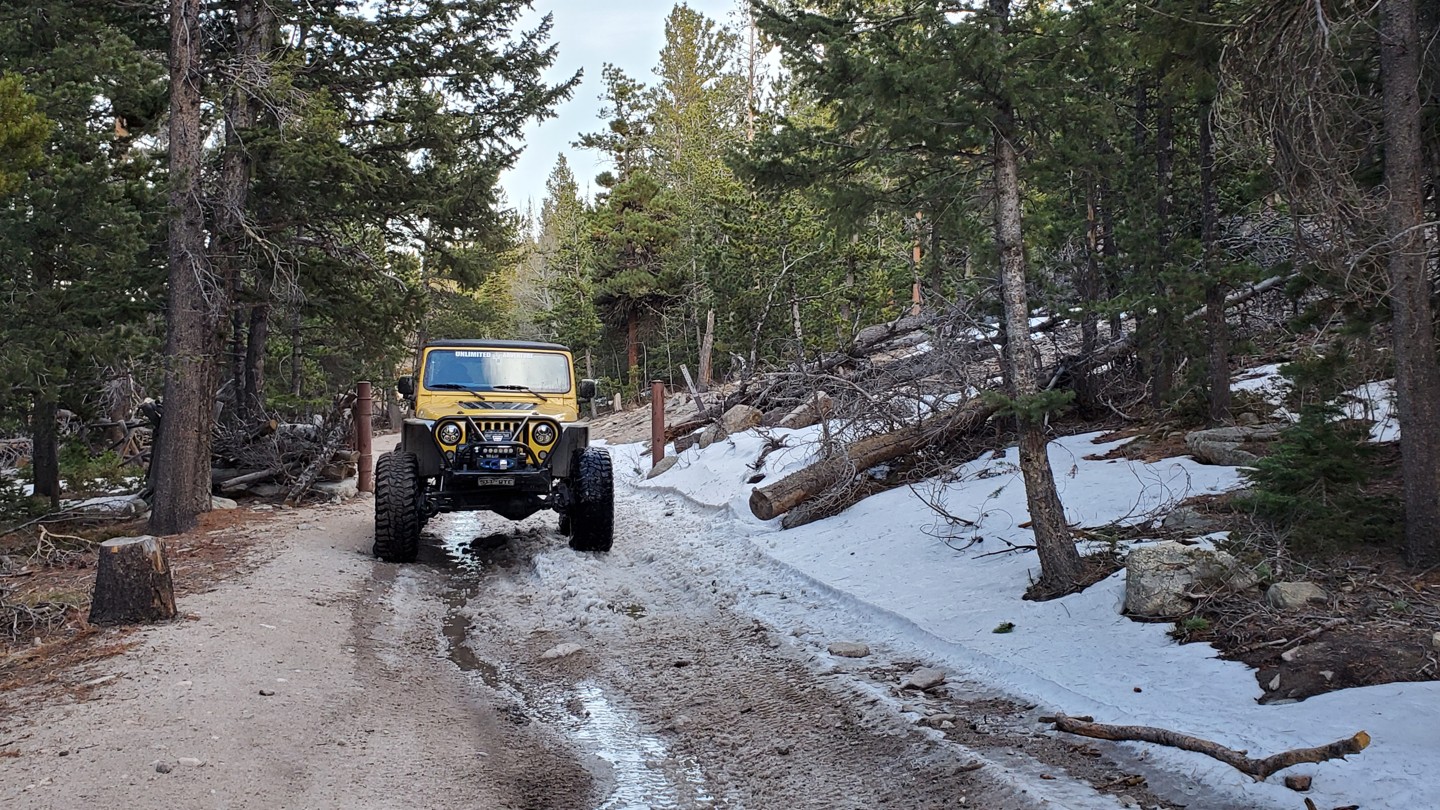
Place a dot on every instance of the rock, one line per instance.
(683, 443)
(1158, 577)
(191, 762)
(710, 435)
(938, 720)
(217, 502)
(1221, 446)
(923, 679)
(1222, 454)
(163, 767)
(664, 464)
(1435, 641)
(1294, 595)
(339, 490)
(1247, 419)
(740, 417)
(849, 649)
(1298, 782)
(1189, 520)
(267, 693)
(560, 651)
(266, 490)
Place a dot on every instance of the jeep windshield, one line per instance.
(497, 370)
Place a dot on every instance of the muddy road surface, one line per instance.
(684, 669)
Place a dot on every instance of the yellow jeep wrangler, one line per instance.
(493, 425)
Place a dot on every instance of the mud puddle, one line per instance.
(640, 772)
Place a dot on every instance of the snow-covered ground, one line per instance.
(919, 582)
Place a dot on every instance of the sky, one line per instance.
(590, 33)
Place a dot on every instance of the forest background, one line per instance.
(240, 207)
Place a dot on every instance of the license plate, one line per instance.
(495, 482)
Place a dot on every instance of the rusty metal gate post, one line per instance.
(657, 421)
(363, 429)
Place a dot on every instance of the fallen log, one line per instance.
(785, 494)
(1259, 769)
(132, 582)
(239, 481)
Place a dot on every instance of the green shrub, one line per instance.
(83, 472)
(1313, 485)
(15, 506)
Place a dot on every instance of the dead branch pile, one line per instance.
(909, 398)
(13, 452)
(273, 457)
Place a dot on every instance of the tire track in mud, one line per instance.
(679, 698)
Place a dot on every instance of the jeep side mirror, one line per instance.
(406, 386)
(587, 389)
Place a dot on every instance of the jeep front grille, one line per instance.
(491, 428)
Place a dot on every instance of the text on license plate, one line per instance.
(495, 482)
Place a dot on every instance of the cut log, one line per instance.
(785, 494)
(1259, 769)
(132, 582)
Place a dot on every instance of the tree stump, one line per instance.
(132, 582)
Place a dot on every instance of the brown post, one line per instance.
(657, 421)
(362, 437)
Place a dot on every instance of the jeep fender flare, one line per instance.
(574, 437)
(416, 438)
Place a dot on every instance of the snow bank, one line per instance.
(945, 586)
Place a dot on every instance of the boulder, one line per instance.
(661, 466)
(923, 679)
(710, 435)
(1295, 595)
(849, 649)
(338, 490)
(1159, 578)
(1222, 446)
(740, 417)
(217, 502)
(1189, 520)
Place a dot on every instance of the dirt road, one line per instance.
(682, 670)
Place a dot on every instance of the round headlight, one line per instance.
(449, 433)
(543, 433)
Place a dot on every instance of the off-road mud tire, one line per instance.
(397, 507)
(592, 518)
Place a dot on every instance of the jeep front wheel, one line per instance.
(397, 507)
(592, 518)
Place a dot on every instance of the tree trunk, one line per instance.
(132, 582)
(1161, 356)
(297, 371)
(256, 339)
(45, 451)
(1217, 329)
(707, 352)
(1089, 290)
(1417, 379)
(181, 457)
(632, 341)
(1060, 566)
(255, 27)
